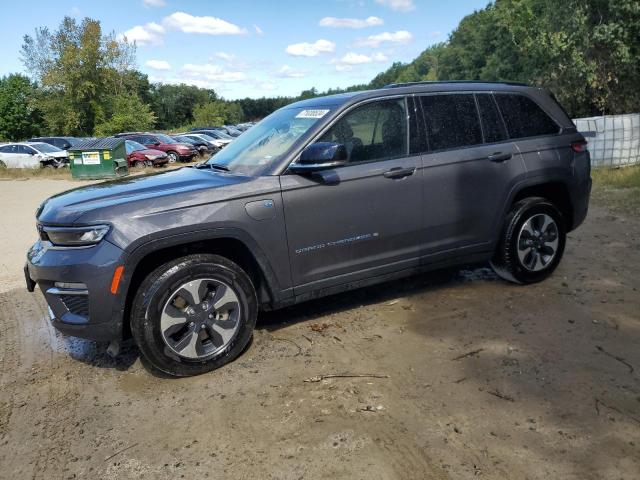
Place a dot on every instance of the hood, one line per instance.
(62, 154)
(139, 195)
(151, 151)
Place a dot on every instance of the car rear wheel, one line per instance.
(532, 242)
(173, 157)
(194, 314)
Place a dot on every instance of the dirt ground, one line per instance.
(485, 379)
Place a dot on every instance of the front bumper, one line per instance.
(76, 285)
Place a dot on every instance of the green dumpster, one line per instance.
(98, 158)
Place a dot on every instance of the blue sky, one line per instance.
(252, 48)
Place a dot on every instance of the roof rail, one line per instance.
(440, 82)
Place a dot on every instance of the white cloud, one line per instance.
(350, 22)
(311, 49)
(288, 72)
(206, 25)
(154, 3)
(158, 64)
(398, 5)
(350, 59)
(147, 34)
(267, 86)
(228, 57)
(212, 73)
(399, 38)
(258, 30)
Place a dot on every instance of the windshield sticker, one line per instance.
(312, 113)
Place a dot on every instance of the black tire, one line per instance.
(157, 289)
(173, 156)
(507, 262)
(2, 164)
(138, 164)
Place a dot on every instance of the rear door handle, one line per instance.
(399, 172)
(499, 156)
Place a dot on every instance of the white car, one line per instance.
(217, 142)
(32, 155)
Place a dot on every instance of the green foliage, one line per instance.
(216, 113)
(129, 114)
(19, 116)
(78, 71)
(587, 53)
(175, 104)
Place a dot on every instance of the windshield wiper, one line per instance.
(214, 166)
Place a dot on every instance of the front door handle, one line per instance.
(500, 156)
(399, 172)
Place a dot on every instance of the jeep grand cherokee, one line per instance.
(322, 196)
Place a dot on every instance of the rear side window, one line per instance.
(523, 116)
(451, 120)
(492, 124)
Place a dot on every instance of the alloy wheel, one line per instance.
(538, 242)
(200, 318)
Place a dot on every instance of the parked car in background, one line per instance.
(231, 130)
(216, 143)
(204, 148)
(217, 134)
(32, 155)
(64, 143)
(140, 156)
(176, 151)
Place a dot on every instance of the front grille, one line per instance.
(76, 304)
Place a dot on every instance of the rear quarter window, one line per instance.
(523, 117)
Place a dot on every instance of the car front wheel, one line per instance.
(173, 157)
(532, 242)
(194, 314)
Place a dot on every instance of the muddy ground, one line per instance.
(485, 379)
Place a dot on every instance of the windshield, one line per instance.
(204, 136)
(219, 134)
(268, 140)
(132, 146)
(46, 148)
(164, 138)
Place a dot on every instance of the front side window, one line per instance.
(375, 131)
(47, 148)
(451, 120)
(523, 116)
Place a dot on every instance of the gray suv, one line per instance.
(322, 196)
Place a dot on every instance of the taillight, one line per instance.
(579, 147)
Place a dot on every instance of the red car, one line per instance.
(140, 156)
(159, 141)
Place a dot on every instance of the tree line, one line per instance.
(83, 82)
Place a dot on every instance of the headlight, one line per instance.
(151, 157)
(75, 236)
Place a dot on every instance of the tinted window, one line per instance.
(5, 149)
(524, 118)
(451, 121)
(492, 124)
(375, 131)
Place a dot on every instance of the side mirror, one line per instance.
(320, 156)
